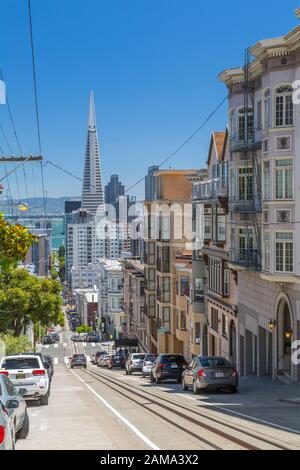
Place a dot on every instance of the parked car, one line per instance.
(55, 336)
(48, 339)
(78, 360)
(91, 338)
(48, 363)
(27, 371)
(96, 356)
(15, 405)
(103, 361)
(148, 363)
(7, 438)
(212, 373)
(116, 361)
(135, 363)
(168, 366)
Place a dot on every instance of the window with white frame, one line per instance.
(207, 223)
(245, 114)
(246, 242)
(245, 183)
(284, 252)
(284, 172)
(232, 123)
(266, 250)
(284, 112)
(267, 109)
(266, 180)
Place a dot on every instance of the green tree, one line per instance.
(61, 251)
(15, 240)
(12, 345)
(84, 329)
(25, 298)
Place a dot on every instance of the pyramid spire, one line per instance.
(92, 190)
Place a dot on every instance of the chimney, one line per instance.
(297, 12)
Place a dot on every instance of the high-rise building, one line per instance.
(70, 207)
(150, 183)
(113, 189)
(92, 191)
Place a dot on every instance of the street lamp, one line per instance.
(271, 324)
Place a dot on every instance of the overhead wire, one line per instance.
(36, 104)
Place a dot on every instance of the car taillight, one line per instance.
(38, 372)
(234, 373)
(2, 434)
(201, 373)
(4, 372)
(161, 366)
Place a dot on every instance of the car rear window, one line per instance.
(214, 362)
(173, 358)
(78, 356)
(150, 357)
(22, 363)
(138, 356)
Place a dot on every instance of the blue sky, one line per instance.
(152, 64)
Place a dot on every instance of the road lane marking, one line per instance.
(56, 345)
(83, 344)
(56, 360)
(121, 417)
(185, 396)
(93, 344)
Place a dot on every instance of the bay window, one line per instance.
(245, 133)
(267, 109)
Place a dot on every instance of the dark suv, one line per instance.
(78, 360)
(168, 366)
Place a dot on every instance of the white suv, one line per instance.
(27, 372)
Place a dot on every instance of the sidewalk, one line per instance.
(268, 389)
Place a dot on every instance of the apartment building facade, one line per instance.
(133, 302)
(210, 197)
(168, 226)
(111, 318)
(264, 205)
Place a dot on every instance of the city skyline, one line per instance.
(129, 77)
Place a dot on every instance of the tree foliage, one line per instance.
(26, 299)
(84, 329)
(10, 344)
(15, 240)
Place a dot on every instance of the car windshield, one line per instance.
(214, 362)
(138, 356)
(173, 358)
(21, 363)
(151, 358)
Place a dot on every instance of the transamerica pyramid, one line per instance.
(92, 190)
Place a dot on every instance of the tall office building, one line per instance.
(113, 189)
(150, 183)
(92, 191)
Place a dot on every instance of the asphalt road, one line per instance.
(103, 409)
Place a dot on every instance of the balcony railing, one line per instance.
(249, 204)
(250, 258)
(212, 189)
(252, 141)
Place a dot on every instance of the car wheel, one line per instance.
(85, 367)
(233, 389)
(184, 386)
(195, 388)
(23, 432)
(158, 381)
(71, 367)
(44, 399)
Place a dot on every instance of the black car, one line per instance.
(48, 339)
(55, 336)
(117, 360)
(78, 360)
(168, 366)
(48, 363)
